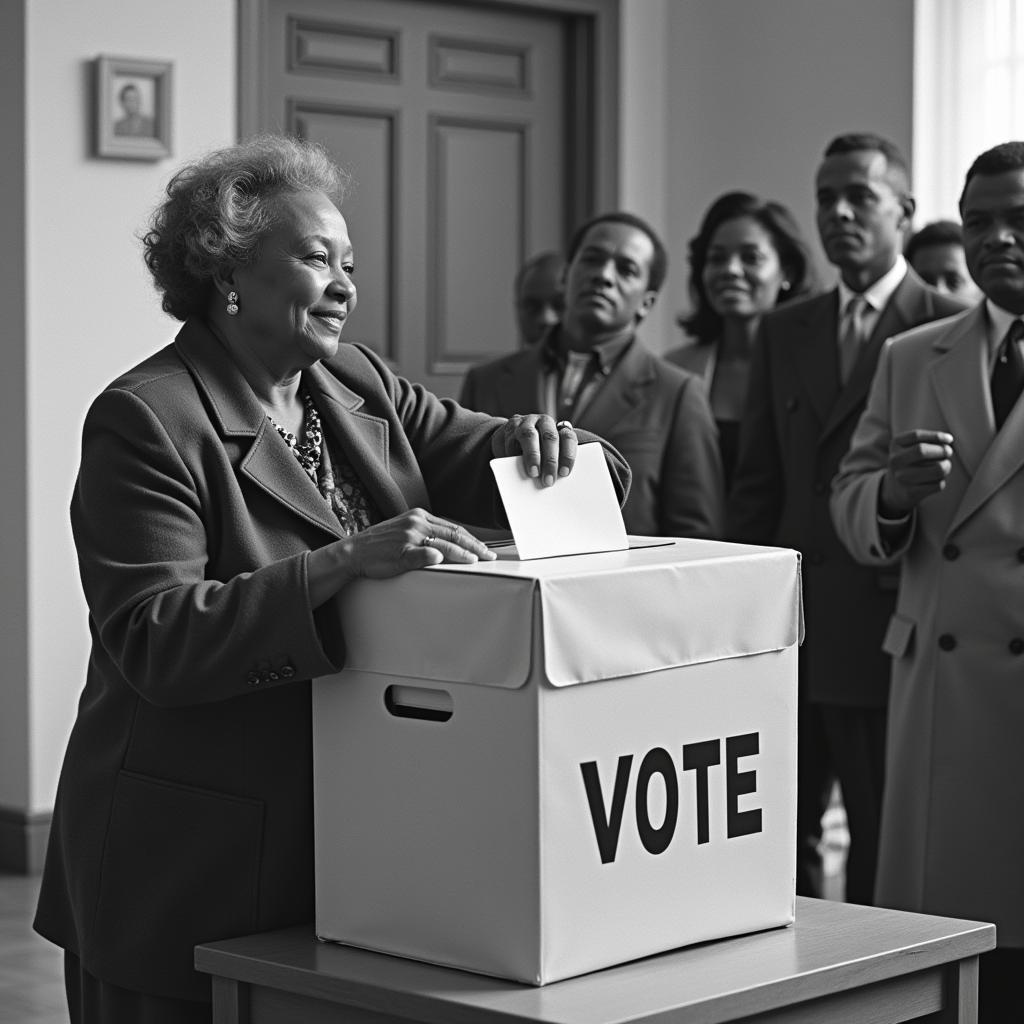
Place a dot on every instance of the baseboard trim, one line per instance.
(23, 840)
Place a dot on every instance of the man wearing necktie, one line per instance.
(811, 370)
(593, 370)
(934, 483)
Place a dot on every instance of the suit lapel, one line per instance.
(521, 388)
(237, 413)
(902, 311)
(817, 353)
(622, 392)
(960, 380)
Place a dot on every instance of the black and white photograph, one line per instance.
(513, 512)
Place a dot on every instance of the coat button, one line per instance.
(947, 641)
(792, 404)
(287, 671)
(950, 552)
(1017, 645)
(252, 679)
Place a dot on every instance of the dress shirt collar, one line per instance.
(879, 293)
(605, 355)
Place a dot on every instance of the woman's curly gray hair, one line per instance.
(219, 207)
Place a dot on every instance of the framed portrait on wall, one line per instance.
(133, 108)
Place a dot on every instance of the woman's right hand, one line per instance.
(412, 540)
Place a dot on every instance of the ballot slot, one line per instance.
(419, 702)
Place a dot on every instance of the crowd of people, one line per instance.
(234, 482)
(874, 428)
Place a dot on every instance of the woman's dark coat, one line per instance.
(184, 810)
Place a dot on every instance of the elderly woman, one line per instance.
(230, 486)
(748, 257)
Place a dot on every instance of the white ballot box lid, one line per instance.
(601, 615)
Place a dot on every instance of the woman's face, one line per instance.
(742, 274)
(295, 297)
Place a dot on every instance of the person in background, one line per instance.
(132, 121)
(936, 252)
(812, 367)
(230, 486)
(592, 369)
(748, 257)
(934, 483)
(539, 296)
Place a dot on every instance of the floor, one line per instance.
(31, 970)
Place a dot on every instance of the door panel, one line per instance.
(451, 119)
(467, 160)
(368, 138)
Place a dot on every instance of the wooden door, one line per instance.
(451, 118)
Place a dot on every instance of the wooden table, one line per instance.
(838, 963)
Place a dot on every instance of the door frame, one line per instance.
(591, 89)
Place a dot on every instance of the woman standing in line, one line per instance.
(747, 257)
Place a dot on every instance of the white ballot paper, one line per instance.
(575, 516)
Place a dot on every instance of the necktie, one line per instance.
(1007, 374)
(851, 336)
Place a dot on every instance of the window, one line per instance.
(968, 92)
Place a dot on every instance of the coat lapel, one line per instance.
(364, 438)
(960, 380)
(520, 390)
(237, 413)
(622, 392)
(817, 354)
(901, 312)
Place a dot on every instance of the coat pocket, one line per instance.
(899, 636)
(180, 866)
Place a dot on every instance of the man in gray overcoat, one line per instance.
(934, 480)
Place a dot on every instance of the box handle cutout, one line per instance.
(418, 702)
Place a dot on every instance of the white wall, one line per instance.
(758, 87)
(14, 782)
(644, 153)
(92, 311)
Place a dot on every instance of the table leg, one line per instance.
(961, 1002)
(230, 1001)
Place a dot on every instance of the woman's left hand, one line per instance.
(548, 449)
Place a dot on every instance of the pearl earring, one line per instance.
(232, 306)
(785, 286)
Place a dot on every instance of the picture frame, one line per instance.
(132, 108)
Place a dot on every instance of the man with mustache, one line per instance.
(812, 366)
(934, 483)
(593, 371)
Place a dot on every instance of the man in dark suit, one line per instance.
(812, 367)
(591, 369)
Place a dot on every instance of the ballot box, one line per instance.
(536, 769)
